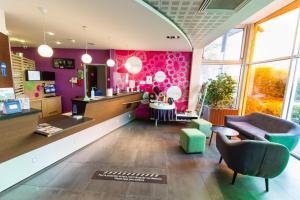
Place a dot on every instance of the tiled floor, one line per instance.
(141, 147)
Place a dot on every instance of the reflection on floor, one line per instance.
(296, 151)
(141, 147)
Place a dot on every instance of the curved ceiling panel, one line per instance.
(205, 20)
(117, 24)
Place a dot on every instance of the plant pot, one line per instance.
(216, 116)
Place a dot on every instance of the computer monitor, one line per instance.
(33, 75)
(49, 89)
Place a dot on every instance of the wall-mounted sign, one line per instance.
(10, 107)
(64, 63)
(149, 80)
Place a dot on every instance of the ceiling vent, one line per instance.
(204, 5)
(242, 5)
(233, 5)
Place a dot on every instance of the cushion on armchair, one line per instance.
(248, 129)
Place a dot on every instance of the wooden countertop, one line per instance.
(23, 144)
(105, 98)
(64, 122)
(18, 135)
(20, 114)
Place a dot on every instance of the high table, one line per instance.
(162, 112)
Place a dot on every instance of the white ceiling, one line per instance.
(112, 24)
(127, 24)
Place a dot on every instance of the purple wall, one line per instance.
(63, 86)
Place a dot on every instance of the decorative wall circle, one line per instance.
(160, 76)
(135, 65)
(174, 92)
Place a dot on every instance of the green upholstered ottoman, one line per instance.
(192, 140)
(202, 125)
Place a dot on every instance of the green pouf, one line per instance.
(192, 140)
(202, 125)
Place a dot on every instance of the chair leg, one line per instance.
(234, 177)
(220, 160)
(267, 184)
(210, 139)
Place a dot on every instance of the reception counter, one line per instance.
(31, 152)
(103, 108)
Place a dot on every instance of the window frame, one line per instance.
(242, 54)
(242, 62)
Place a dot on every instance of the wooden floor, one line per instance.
(141, 147)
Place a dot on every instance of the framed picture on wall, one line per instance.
(63, 63)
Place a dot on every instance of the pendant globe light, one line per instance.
(86, 58)
(110, 62)
(44, 50)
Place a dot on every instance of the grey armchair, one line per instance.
(251, 157)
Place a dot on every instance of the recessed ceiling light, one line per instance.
(71, 40)
(50, 33)
(58, 42)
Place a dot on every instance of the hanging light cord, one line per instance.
(84, 28)
(44, 27)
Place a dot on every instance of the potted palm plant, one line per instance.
(219, 99)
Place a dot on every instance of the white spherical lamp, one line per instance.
(86, 58)
(110, 63)
(45, 50)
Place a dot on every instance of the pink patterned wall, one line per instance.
(176, 66)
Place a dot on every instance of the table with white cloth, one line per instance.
(162, 112)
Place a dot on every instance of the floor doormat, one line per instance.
(130, 177)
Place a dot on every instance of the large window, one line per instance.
(224, 55)
(270, 65)
(274, 69)
(226, 47)
(212, 71)
(267, 87)
(275, 37)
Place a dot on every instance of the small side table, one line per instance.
(229, 132)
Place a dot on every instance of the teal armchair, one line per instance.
(253, 158)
